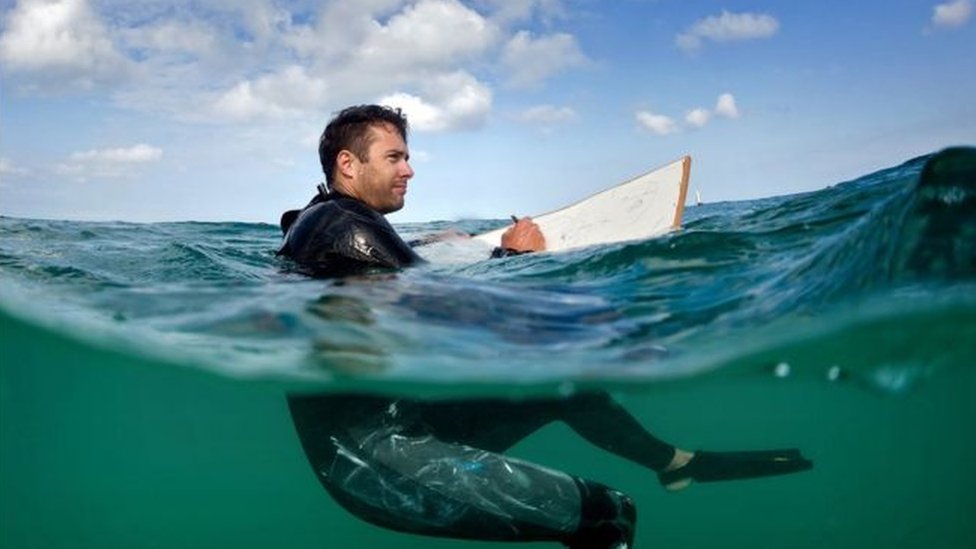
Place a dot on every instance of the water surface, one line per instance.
(143, 368)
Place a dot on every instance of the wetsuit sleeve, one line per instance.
(506, 252)
(342, 237)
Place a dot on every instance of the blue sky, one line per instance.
(145, 110)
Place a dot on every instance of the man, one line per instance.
(437, 468)
(365, 160)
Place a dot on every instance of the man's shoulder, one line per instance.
(332, 223)
(354, 207)
(340, 209)
(341, 236)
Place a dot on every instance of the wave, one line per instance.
(740, 280)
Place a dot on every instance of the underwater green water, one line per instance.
(143, 369)
(103, 451)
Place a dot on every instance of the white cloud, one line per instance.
(428, 34)
(196, 38)
(657, 123)
(262, 20)
(108, 163)
(421, 115)
(547, 115)
(287, 93)
(337, 30)
(727, 27)
(456, 101)
(60, 40)
(725, 106)
(261, 61)
(412, 57)
(952, 14)
(514, 11)
(130, 155)
(8, 168)
(310, 139)
(531, 60)
(698, 117)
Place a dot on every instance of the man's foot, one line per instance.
(715, 466)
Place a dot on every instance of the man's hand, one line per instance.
(524, 236)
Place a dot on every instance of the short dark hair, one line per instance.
(349, 130)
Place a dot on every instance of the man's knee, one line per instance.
(607, 518)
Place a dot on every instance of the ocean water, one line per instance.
(143, 368)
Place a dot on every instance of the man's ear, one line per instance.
(347, 163)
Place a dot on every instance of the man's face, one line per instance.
(381, 181)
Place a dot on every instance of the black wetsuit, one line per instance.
(335, 235)
(436, 468)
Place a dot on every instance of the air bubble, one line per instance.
(833, 373)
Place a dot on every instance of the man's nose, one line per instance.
(407, 170)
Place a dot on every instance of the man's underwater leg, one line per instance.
(497, 424)
(405, 479)
(608, 519)
(421, 485)
(603, 422)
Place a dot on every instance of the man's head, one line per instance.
(364, 155)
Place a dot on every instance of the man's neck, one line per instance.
(340, 189)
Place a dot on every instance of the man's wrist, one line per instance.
(505, 252)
